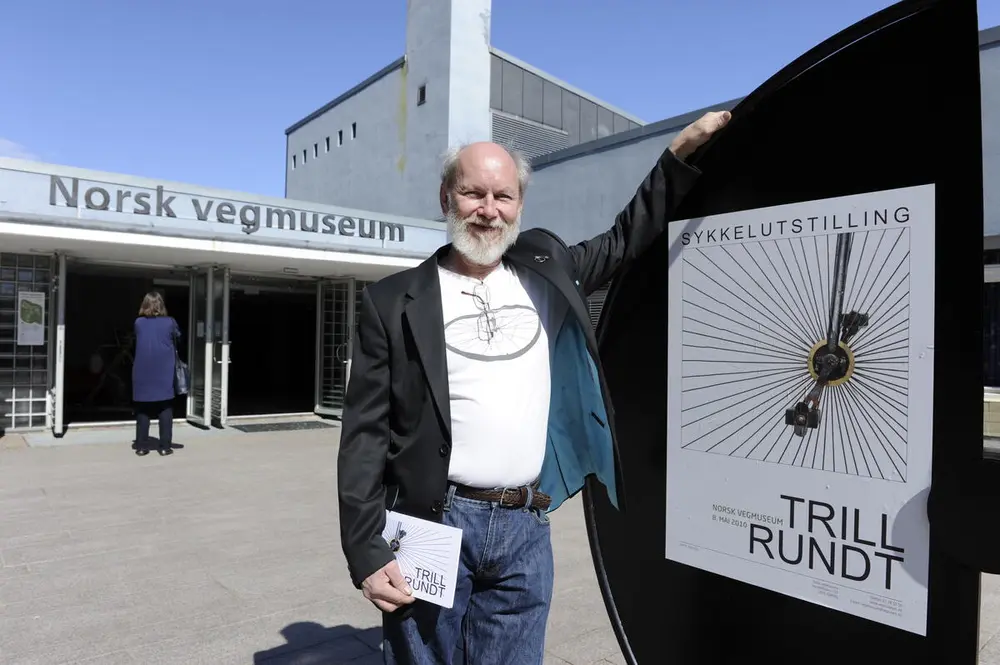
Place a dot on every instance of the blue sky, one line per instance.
(201, 91)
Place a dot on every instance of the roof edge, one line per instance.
(382, 73)
(552, 79)
(989, 36)
(653, 129)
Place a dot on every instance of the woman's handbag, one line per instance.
(182, 375)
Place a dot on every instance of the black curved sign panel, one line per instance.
(829, 264)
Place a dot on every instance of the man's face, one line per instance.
(483, 208)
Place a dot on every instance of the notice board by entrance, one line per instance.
(797, 361)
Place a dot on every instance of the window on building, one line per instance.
(295, 161)
(315, 150)
(595, 303)
(24, 370)
(305, 156)
(354, 130)
(340, 137)
(421, 95)
(328, 144)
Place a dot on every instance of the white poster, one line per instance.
(799, 400)
(30, 318)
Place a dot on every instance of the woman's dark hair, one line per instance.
(153, 305)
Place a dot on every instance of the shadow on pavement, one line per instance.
(154, 442)
(309, 643)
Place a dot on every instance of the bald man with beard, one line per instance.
(477, 400)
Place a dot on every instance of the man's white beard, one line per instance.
(481, 250)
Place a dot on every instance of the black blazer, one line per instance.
(396, 431)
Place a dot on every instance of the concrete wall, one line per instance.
(361, 172)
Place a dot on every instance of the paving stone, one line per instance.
(584, 648)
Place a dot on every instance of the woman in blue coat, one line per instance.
(156, 336)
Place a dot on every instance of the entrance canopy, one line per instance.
(111, 217)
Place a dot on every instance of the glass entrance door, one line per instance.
(335, 328)
(220, 346)
(200, 346)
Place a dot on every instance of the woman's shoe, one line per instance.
(165, 451)
(142, 451)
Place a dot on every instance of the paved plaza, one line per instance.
(226, 552)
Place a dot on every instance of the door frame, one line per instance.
(57, 344)
(321, 368)
(318, 374)
(204, 418)
(221, 358)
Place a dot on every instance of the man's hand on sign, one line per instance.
(387, 589)
(694, 135)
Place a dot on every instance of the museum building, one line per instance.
(263, 289)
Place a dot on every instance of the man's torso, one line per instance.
(497, 349)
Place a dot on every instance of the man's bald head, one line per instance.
(488, 156)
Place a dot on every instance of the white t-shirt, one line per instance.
(498, 377)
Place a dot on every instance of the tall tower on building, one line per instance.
(448, 89)
(379, 145)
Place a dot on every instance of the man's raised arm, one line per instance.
(645, 217)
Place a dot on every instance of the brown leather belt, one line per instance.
(511, 497)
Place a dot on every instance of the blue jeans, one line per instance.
(502, 595)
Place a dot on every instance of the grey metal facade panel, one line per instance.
(620, 125)
(385, 71)
(989, 73)
(496, 82)
(571, 117)
(595, 304)
(990, 36)
(605, 122)
(588, 121)
(524, 66)
(552, 105)
(532, 98)
(513, 86)
(531, 139)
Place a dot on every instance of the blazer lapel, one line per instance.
(543, 264)
(425, 319)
